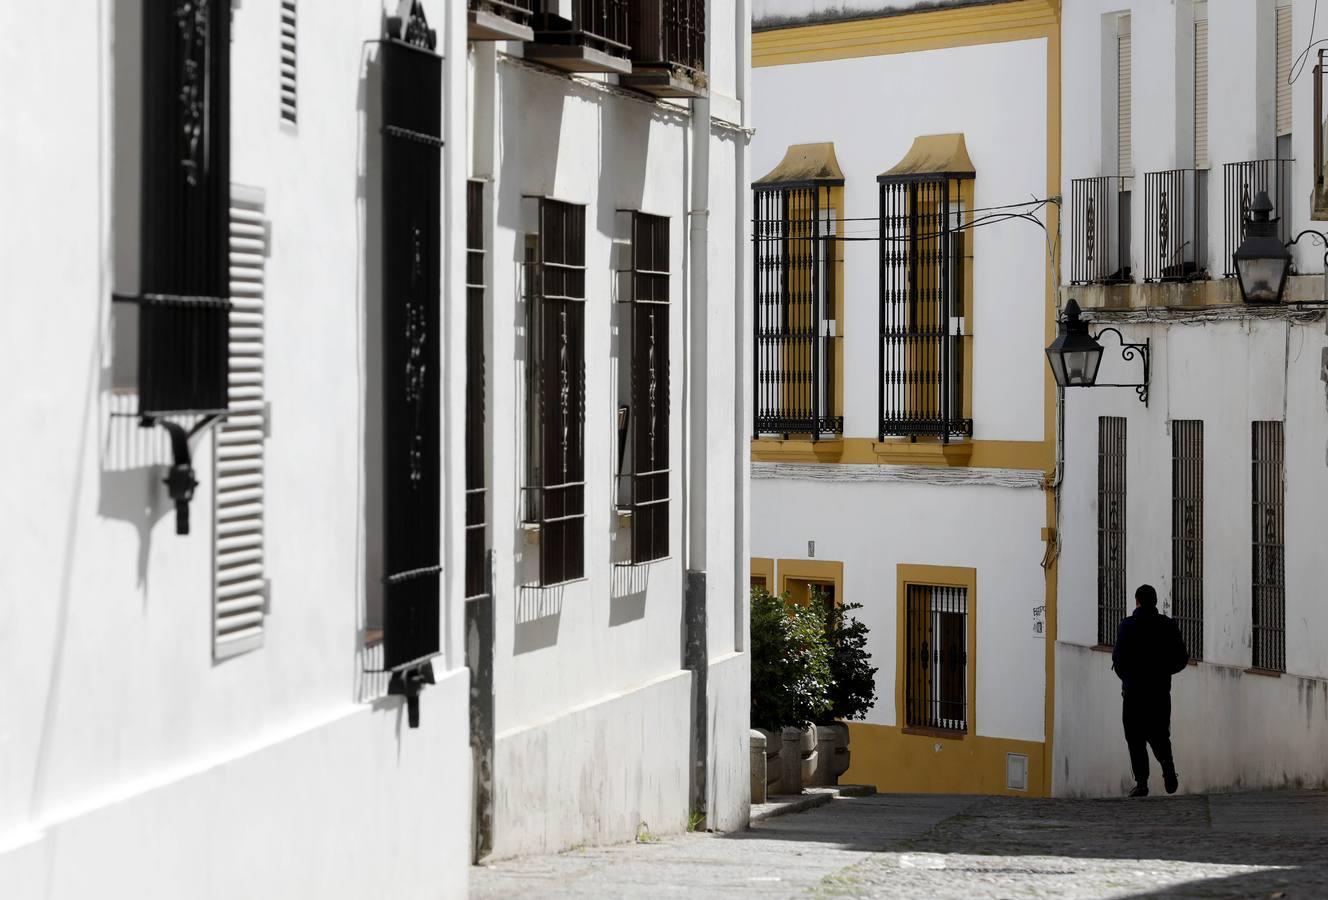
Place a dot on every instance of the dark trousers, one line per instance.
(1147, 720)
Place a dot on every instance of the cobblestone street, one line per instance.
(1268, 845)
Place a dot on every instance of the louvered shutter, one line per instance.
(1283, 70)
(1124, 145)
(240, 592)
(1200, 91)
(288, 97)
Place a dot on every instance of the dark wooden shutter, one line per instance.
(411, 160)
(184, 272)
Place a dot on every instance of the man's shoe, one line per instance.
(1171, 782)
(1140, 790)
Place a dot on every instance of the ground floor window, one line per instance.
(936, 657)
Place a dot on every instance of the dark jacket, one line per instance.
(1149, 650)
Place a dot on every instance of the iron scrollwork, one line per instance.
(192, 17)
(1130, 352)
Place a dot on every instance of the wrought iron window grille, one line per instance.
(1187, 538)
(796, 335)
(668, 48)
(519, 11)
(184, 297)
(936, 666)
(477, 494)
(554, 495)
(643, 424)
(602, 25)
(412, 479)
(922, 335)
(1242, 182)
(1176, 225)
(1100, 230)
(1268, 529)
(1111, 522)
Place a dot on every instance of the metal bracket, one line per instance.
(1129, 352)
(180, 481)
(408, 683)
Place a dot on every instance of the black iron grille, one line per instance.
(1269, 569)
(796, 258)
(1176, 225)
(936, 678)
(1242, 182)
(601, 24)
(412, 198)
(921, 349)
(477, 539)
(669, 32)
(1111, 588)
(1187, 522)
(517, 10)
(556, 332)
(648, 473)
(1100, 230)
(184, 308)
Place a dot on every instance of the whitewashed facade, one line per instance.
(1247, 713)
(199, 715)
(876, 515)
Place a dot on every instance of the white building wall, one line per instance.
(128, 759)
(1231, 728)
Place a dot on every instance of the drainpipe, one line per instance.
(695, 654)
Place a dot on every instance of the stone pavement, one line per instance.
(1270, 845)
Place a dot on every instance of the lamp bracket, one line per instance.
(1129, 352)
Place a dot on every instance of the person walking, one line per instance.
(1148, 651)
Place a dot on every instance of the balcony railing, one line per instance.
(1100, 230)
(1176, 225)
(501, 20)
(668, 47)
(583, 36)
(1242, 182)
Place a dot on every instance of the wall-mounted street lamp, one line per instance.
(1075, 355)
(1262, 261)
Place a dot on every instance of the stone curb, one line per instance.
(810, 798)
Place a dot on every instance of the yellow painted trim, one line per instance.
(940, 576)
(869, 451)
(815, 571)
(763, 569)
(897, 762)
(1051, 565)
(928, 30)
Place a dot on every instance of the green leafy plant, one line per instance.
(790, 662)
(853, 677)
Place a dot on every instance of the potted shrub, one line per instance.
(790, 678)
(852, 685)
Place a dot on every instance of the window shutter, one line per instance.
(1283, 70)
(1124, 140)
(1200, 93)
(240, 592)
(288, 60)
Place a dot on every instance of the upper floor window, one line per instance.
(798, 373)
(924, 350)
(556, 389)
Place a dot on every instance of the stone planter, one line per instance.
(797, 758)
(758, 764)
(832, 753)
(773, 772)
(808, 755)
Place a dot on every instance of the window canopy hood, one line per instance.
(931, 157)
(805, 164)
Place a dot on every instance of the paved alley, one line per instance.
(1223, 845)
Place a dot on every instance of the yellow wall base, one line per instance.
(900, 763)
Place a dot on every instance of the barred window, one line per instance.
(644, 466)
(1187, 522)
(289, 98)
(923, 295)
(1268, 604)
(476, 478)
(183, 301)
(555, 398)
(936, 666)
(797, 364)
(1111, 588)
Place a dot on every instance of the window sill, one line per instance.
(1266, 673)
(1104, 648)
(923, 452)
(777, 450)
(943, 733)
